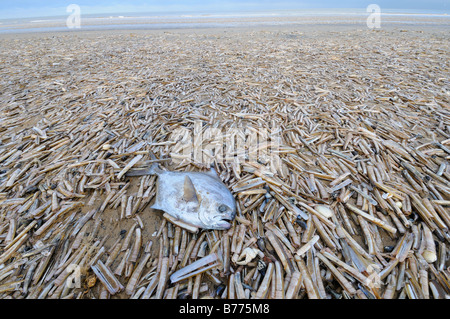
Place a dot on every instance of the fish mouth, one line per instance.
(224, 223)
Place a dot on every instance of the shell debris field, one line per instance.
(357, 207)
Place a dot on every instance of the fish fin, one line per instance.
(155, 206)
(152, 170)
(212, 172)
(189, 193)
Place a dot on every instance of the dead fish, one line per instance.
(197, 198)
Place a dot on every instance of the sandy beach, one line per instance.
(350, 103)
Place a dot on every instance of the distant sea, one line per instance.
(172, 20)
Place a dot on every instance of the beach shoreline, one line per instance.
(306, 28)
(196, 22)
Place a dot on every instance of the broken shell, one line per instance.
(91, 280)
(247, 255)
(429, 252)
(324, 210)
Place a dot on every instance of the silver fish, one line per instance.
(197, 198)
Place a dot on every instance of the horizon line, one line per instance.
(243, 10)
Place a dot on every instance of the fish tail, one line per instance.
(152, 170)
(140, 172)
(152, 156)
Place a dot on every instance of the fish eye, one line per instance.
(222, 208)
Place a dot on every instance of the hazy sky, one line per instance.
(36, 8)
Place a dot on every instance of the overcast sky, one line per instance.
(36, 8)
